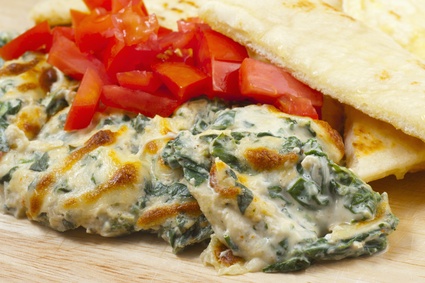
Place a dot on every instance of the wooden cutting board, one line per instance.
(30, 252)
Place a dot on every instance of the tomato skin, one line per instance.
(101, 28)
(118, 5)
(31, 40)
(294, 105)
(177, 46)
(177, 39)
(260, 80)
(223, 48)
(122, 58)
(65, 55)
(266, 83)
(94, 31)
(138, 101)
(133, 26)
(77, 17)
(183, 80)
(213, 45)
(67, 32)
(141, 80)
(85, 102)
(192, 24)
(225, 79)
(92, 4)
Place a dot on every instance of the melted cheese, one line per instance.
(271, 193)
(259, 178)
(108, 178)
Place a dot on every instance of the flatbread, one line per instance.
(403, 20)
(56, 12)
(375, 149)
(337, 55)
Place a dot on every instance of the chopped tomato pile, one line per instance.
(126, 59)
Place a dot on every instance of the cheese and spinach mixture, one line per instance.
(263, 187)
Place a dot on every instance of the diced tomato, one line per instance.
(214, 45)
(31, 40)
(177, 39)
(141, 80)
(93, 4)
(127, 58)
(85, 102)
(133, 26)
(138, 5)
(162, 31)
(177, 55)
(77, 17)
(118, 5)
(260, 80)
(192, 24)
(225, 79)
(183, 80)
(65, 31)
(266, 82)
(124, 56)
(65, 55)
(177, 46)
(138, 101)
(293, 105)
(94, 32)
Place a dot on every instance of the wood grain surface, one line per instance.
(32, 253)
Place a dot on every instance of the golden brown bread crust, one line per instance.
(375, 149)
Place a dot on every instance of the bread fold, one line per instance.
(331, 52)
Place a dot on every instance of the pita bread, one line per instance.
(337, 55)
(56, 12)
(403, 20)
(375, 149)
(168, 12)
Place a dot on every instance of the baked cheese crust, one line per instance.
(109, 178)
(183, 177)
(274, 199)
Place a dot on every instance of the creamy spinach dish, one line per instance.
(265, 189)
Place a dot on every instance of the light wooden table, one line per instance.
(31, 253)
